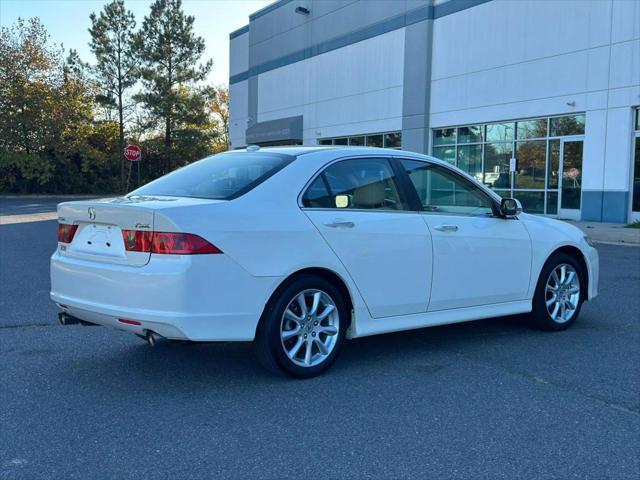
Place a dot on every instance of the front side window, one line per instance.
(362, 183)
(443, 191)
(221, 177)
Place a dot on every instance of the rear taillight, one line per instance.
(166, 243)
(66, 232)
(137, 240)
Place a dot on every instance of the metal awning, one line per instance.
(286, 130)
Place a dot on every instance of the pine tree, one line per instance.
(112, 35)
(169, 54)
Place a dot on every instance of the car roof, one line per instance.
(338, 149)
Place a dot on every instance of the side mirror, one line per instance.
(510, 207)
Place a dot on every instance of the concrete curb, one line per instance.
(610, 233)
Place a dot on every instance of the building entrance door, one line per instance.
(570, 179)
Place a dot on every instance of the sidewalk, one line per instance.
(615, 233)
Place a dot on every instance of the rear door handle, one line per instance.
(447, 228)
(338, 223)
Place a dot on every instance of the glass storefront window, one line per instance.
(470, 160)
(470, 134)
(532, 202)
(547, 151)
(393, 140)
(374, 141)
(500, 132)
(636, 176)
(389, 139)
(448, 154)
(496, 164)
(571, 174)
(552, 202)
(444, 136)
(564, 126)
(553, 169)
(504, 193)
(531, 129)
(530, 164)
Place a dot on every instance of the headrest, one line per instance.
(369, 195)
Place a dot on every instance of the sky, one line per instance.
(67, 21)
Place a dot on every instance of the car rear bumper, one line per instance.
(187, 297)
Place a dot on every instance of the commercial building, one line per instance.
(554, 85)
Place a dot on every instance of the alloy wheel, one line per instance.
(562, 293)
(309, 328)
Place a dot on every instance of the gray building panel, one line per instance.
(238, 32)
(415, 97)
(279, 37)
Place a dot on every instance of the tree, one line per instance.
(220, 112)
(50, 141)
(112, 34)
(169, 54)
(29, 76)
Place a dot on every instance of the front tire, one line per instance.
(302, 330)
(559, 293)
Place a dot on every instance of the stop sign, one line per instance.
(133, 153)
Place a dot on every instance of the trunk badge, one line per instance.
(92, 213)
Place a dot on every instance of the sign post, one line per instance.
(133, 153)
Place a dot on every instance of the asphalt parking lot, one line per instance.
(488, 399)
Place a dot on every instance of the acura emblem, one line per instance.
(92, 213)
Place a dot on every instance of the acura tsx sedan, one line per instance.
(299, 249)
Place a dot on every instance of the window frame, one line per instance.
(495, 207)
(407, 191)
(406, 195)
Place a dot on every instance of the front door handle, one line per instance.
(447, 228)
(338, 223)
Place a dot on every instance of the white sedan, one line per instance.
(298, 249)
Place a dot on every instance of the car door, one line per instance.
(479, 258)
(361, 211)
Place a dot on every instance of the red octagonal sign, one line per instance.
(133, 153)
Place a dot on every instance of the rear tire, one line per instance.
(303, 329)
(559, 293)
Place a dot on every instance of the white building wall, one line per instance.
(352, 90)
(515, 59)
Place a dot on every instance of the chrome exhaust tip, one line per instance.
(66, 319)
(152, 338)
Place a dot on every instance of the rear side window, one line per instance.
(362, 183)
(221, 177)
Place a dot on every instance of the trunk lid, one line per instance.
(100, 224)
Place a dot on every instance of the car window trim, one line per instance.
(320, 173)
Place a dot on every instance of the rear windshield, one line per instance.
(222, 177)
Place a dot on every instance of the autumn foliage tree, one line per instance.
(64, 123)
(49, 138)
